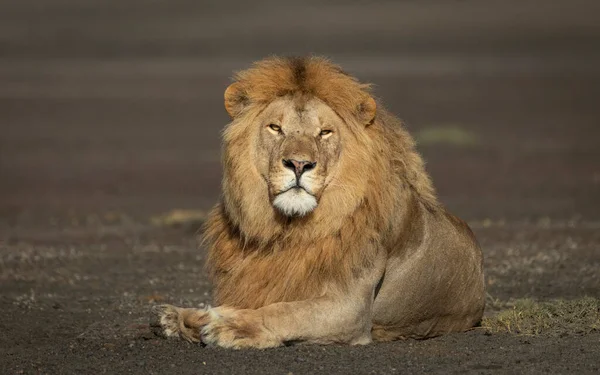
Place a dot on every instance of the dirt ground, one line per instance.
(110, 114)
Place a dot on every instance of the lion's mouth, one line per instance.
(296, 188)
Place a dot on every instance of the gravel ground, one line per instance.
(110, 114)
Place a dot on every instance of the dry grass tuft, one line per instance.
(446, 135)
(556, 317)
(174, 218)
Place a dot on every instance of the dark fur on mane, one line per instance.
(314, 76)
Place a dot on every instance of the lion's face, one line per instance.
(297, 149)
(299, 144)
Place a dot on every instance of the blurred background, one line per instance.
(110, 119)
(117, 106)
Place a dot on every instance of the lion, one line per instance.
(328, 229)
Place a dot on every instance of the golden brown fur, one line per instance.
(376, 230)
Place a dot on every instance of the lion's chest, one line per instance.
(294, 274)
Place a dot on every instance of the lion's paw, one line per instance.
(237, 329)
(181, 322)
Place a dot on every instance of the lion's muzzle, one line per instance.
(298, 167)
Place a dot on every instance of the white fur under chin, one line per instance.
(295, 202)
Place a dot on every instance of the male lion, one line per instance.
(328, 229)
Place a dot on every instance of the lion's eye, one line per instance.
(275, 128)
(325, 133)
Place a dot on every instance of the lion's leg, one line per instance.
(182, 322)
(425, 329)
(342, 315)
(322, 320)
(317, 321)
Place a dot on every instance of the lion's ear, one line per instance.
(367, 110)
(235, 99)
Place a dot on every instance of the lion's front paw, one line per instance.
(181, 322)
(237, 329)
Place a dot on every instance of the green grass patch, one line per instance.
(446, 135)
(179, 218)
(555, 317)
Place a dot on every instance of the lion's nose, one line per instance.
(299, 167)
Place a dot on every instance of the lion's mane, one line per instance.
(257, 256)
